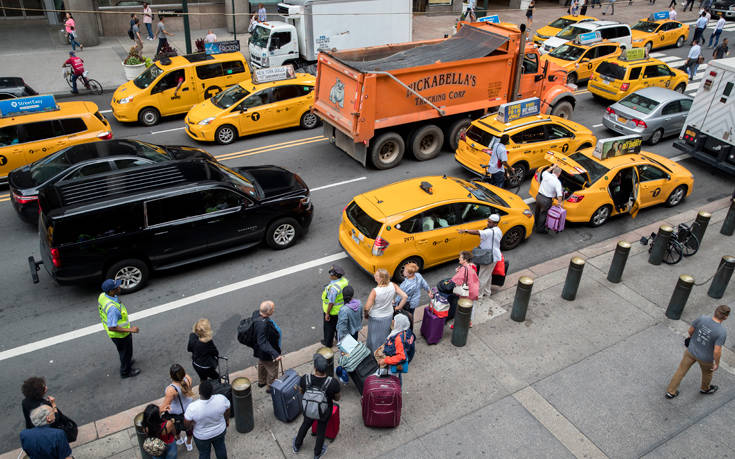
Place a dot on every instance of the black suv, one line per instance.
(124, 224)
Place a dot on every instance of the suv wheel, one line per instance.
(132, 272)
(282, 233)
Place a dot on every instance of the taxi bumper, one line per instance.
(366, 261)
(600, 90)
(471, 159)
(124, 113)
(204, 133)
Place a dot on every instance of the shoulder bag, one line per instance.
(178, 419)
(463, 289)
(67, 425)
(484, 256)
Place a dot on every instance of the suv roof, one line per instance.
(592, 25)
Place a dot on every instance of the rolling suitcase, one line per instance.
(432, 327)
(332, 424)
(381, 401)
(556, 218)
(286, 397)
(367, 367)
(222, 385)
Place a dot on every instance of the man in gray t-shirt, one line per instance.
(706, 337)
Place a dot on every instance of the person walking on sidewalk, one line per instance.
(583, 10)
(176, 398)
(498, 163)
(693, 59)
(413, 283)
(135, 28)
(320, 384)
(162, 34)
(210, 416)
(489, 240)
(380, 308)
(349, 319)
(332, 301)
(204, 353)
(267, 347)
(721, 51)
(43, 441)
(262, 14)
(71, 31)
(529, 12)
(549, 188)
(610, 4)
(718, 31)
(148, 20)
(672, 11)
(156, 426)
(114, 318)
(690, 4)
(704, 345)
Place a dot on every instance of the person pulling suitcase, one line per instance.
(549, 188)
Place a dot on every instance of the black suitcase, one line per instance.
(499, 280)
(222, 385)
(367, 367)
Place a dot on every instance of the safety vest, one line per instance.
(104, 303)
(339, 300)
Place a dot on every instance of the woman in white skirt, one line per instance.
(380, 308)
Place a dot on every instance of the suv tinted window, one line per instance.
(635, 72)
(205, 72)
(174, 208)
(90, 169)
(611, 70)
(287, 92)
(8, 136)
(102, 223)
(232, 67)
(477, 135)
(621, 31)
(555, 131)
(215, 200)
(73, 125)
(607, 32)
(41, 130)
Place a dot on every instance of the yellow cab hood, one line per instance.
(126, 89)
(556, 64)
(548, 31)
(639, 35)
(203, 110)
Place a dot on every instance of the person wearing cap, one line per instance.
(77, 70)
(332, 301)
(489, 240)
(349, 319)
(331, 389)
(114, 318)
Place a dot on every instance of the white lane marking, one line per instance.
(670, 58)
(657, 55)
(176, 304)
(338, 183)
(529, 200)
(169, 130)
(596, 125)
(105, 111)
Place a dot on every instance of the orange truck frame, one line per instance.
(377, 102)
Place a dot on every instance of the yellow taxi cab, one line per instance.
(531, 137)
(659, 31)
(416, 220)
(253, 106)
(581, 56)
(36, 126)
(554, 27)
(621, 180)
(172, 85)
(616, 78)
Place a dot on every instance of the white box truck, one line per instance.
(309, 25)
(709, 130)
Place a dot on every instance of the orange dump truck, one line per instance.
(380, 101)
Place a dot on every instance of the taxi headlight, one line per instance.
(527, 213)
(125, 100)
(206, 121)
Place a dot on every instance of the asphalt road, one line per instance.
(83, 373)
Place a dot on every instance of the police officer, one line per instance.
(114, 318)
(332, 301)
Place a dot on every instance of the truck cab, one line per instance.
(273, 44)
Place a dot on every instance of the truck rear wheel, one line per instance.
(456, 129)
(387, 150)
(426, 142)
(563, 110)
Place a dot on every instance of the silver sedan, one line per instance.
(651, 113)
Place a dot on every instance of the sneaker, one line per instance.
(190, 446)
(324, 450)
(670, 396)
(712, 389)
(182, 439)
(293, 445)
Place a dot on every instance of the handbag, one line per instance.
(463, 289)
(154, 446)
(67, 425)
(178, 419)
(484, 256)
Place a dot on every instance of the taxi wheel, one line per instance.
(282, 233)
(572, 78)
(149, 116)
(456, 130)
(676, 196)
(309, 120)
(398, 273)
(563, 110)
(680, 41)
(132, 272)
(426, 142)
(680, 88)
(600, 216)
(512, 238)
(656, 136)
(648, 46)
(225, 134)
(387, 151)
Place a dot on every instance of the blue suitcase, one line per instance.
(286, 397)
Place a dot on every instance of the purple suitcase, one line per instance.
(381, 401)
(555, 218)
(432, 327)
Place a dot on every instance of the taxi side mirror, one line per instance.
(243, 109)
(584, 60)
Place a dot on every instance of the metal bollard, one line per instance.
(574, 276)
(722, 277)
(462, 320)
(680, 296)
(328, 354)
(521, 299)
(660, 244)
(140, 433)
(728, 226)
(617, 265)
(242, 401)
(700, 225)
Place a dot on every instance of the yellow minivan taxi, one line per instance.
(658, 34)
(172, 85)
(616, 78)
(579, 60)
(531, 138)
(249, 108)
(30, 136)
(554, 27)
(416, 220)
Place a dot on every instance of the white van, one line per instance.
(610, 30)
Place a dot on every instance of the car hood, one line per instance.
(203, 110)
(275, 181)
(186, 152)
(639, 35)
(554, 42)
(547, 31)
(126, 89)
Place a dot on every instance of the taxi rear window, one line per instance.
(611, 70)
(593, 168)
(477, 135)
(362, 221)
(639, 103)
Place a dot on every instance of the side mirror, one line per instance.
(243, 109)
(584, 60)
(538, 77)
(552, 77)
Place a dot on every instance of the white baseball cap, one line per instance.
(494, 218)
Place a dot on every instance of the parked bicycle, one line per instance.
(681, 243)
(92, 85)
(513, 178)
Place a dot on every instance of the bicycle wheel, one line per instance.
(673, 252)
(95, 86)
(689, 244)
(67, 78)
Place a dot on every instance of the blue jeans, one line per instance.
(149, 27)
(692, 70)
(205, 446)
(716, 36)
(73, 41)
(170, 452)
(498, 179)
(74, 78)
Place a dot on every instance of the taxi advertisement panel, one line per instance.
(616, 146)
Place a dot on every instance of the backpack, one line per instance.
(314, 401)
(246, 332)
(131, 34)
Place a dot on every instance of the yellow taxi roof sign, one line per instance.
(588, 38)
(270, 74)
(512, 111)
(634, 54)
(617, 146)
(659, 15)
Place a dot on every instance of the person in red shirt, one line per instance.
(77, 68)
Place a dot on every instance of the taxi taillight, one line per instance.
(575, 198)
(107, 135)
(379, 246)
(624, 86)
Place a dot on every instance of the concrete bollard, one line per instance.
(728, 226)
(462, 322)
(522, 297)
(242, 401)
(140, 433)
(660, 244)
(617, 265)
(700, 225)
(328, 354)
(574, 276)
(722, 277)
(680, 296)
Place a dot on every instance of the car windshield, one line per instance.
(593, 168)
(49, 167)
(243, 181)
(561, 23)
(230, 96)
(639, 103)
(571, 32)
(482, 193)
(611, 70)
(148, 76)
(567, 52)
(645, 26)
(260, 36)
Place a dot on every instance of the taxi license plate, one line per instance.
(357, 237)
(607, 81)
(622, 120)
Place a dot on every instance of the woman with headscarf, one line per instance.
(398, 348)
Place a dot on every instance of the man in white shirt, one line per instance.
(498, 162)
(210, 37)
(718, 31)
(672, 13)
(700, 25)
(262, 14)
(549, 188)
(211, 417)
(693, 59)
(489, 240)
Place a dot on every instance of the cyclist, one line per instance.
(77, 70)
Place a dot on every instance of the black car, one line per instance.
(725, 7)
(125, 224)
(85, 160)
(12, 87)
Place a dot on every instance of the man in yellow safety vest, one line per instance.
(114, 318)
(332, 301)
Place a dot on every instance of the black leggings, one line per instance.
(206, 373)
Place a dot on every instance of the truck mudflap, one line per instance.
(358, 151)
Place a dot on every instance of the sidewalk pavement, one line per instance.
(583, 378)
(34, 52)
